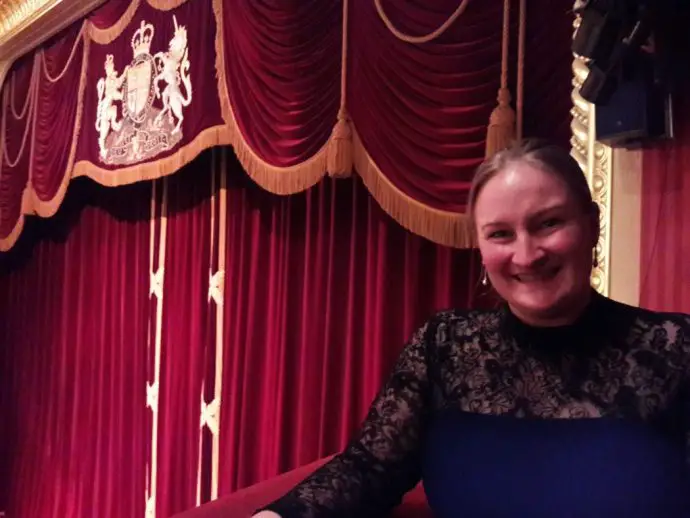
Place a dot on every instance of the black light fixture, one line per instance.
(610, 35)
(627, 49)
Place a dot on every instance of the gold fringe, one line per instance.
(442, 227)
(105, 36)
(223, 94)
(210, 137)
(278, 180)
(9, 241)
(47, 208)
(165, 5)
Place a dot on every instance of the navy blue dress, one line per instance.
(500, 419)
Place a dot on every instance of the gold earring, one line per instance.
(485, 277)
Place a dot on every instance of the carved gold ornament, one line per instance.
(596, 160)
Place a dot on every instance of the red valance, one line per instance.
(139, 88)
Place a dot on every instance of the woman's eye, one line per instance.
(551, 222)
(499, 234)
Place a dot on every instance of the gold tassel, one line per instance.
(339, 153)
(500, 133)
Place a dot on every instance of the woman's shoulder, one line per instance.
(653, 317)
(655, 324)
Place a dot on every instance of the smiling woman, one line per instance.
(561, 402)
(537, 227)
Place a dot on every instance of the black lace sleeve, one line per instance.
(684, 332)
(381, 463)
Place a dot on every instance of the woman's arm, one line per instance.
(382, 463)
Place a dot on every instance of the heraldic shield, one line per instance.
(139, 88)
(144, 130)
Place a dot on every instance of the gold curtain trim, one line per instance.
(29, 111)
(427, 37)
(210, 137)
(443, 227)
(47, 208)
(9, 241)
(165, 5)
(44, 65)
(105, 36)
(280, 180)
(275, 179)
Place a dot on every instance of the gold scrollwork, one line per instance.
(596, 160)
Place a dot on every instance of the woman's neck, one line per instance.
(566, 314)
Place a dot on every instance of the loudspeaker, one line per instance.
(638, 109)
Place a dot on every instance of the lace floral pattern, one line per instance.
(616, 361)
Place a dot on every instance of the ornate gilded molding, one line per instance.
(18, 14)
(25, 24)
(596, 159)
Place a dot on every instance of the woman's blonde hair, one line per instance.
(543, 155)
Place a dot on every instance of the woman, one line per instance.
(561, 403)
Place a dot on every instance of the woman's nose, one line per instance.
(527, 252)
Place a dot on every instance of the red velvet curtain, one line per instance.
(16, 121)
(548, 70)
(39, 116)
(322, 291)
(187, 333)
(421, 110)
(73, 320)
(267, 78)
(665, 240)
(59, 69)
(282, 64)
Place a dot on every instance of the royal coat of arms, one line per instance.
(139, 130)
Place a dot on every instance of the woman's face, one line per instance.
(536, 243)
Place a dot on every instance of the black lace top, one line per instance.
(615, 361)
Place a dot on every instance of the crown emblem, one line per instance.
(141, 40)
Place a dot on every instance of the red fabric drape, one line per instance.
(73, 326)
(17, 115)
(40, 112)
(322, 291)
(548, 72)
(56, 116)
(282, 64)
(665, 241)
(421, 110)
(266, 78)
(187, 337)
(108, 13)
